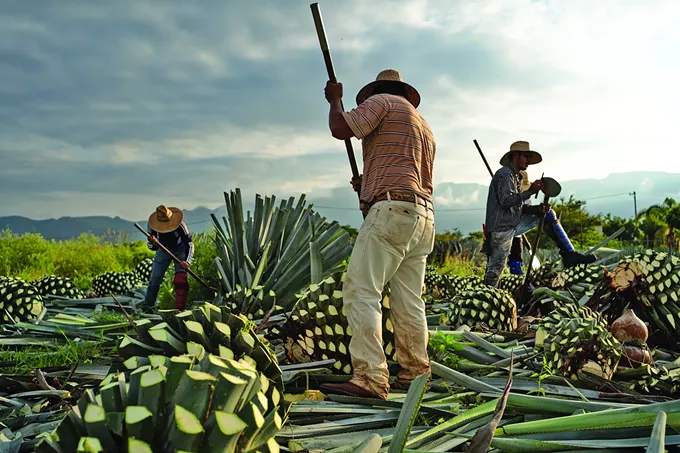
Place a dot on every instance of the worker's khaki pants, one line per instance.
(392, 246)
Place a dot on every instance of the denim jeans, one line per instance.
(499, 244)
(161, 262)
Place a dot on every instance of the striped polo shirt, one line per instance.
(398, 146)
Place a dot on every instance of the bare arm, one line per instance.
(337, 123)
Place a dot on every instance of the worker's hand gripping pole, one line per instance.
(325, 50)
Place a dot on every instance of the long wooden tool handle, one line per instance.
(325, 50)
(488, 167)
(189, 271)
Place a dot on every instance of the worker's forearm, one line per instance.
(336, 121)
(335, 114)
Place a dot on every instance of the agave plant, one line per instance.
(281, 249)
(194, 402)
(209, 327)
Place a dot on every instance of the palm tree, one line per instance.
(667, 216)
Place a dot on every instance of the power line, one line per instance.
(339, 208)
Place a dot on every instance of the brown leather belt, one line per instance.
(403, 196)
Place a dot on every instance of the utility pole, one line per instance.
(634, 194)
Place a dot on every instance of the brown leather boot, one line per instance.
(349, 389)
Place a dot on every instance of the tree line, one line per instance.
(655, 226)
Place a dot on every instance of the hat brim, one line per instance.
(166, 227)
(367, 91)
(534, 157)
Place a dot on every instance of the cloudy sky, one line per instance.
(110, 108)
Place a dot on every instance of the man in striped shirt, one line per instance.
(167, 227)
(509, 214)
(397, 233)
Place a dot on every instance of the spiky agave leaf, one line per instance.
(272, 247)
(185, 403)
(53, 285)
(19, 301)
(581, 344)
(486, 307)
(210, 328)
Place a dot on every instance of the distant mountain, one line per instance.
(457, 206)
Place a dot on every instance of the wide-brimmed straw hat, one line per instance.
(387, 76)
(521, 146)
(165, 220)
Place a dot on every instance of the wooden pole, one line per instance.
(325, 50)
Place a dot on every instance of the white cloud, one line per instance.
(448, 197)
(605, 99)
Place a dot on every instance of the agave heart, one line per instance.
(628, 328)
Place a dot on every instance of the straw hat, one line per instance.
(165, 220)
(523, 147)
(388, 75)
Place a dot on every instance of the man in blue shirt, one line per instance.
(508, 214)
(166, 226)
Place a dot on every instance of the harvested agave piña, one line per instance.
(19, 301)
(114, 283)
(194, 403)
(566, 311)
(455, 285)
(579, 280)
(486, 307)
(143, 270)
(435, 284)
(649, 284)
(53, 285)
(581, 344)
(318, 328)
(510, 282)
(213, 328)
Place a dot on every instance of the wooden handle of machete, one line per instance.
(325, 50)
(189, 271)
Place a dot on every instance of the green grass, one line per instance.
(30, 256)
(26, 359)
(459, 265)
(109, 317)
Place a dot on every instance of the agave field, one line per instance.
(588, 359)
